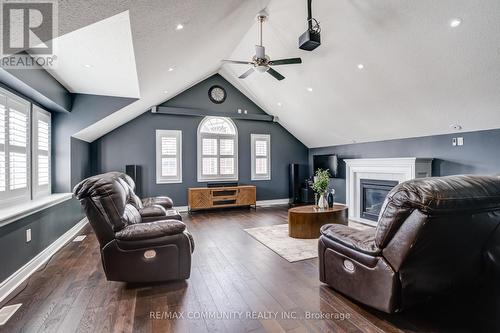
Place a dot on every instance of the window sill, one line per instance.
(16, 212)
(215, 180)
(177, 181)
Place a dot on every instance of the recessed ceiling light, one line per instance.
(309, 89)
(455, 22)
(279, 104)
(170, 69)
(165, 91)
(87, 66)
(179, 27)
(361, 66)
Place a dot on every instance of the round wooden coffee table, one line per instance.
(305, 221)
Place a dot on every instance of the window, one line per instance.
(261, 156)
(41, 152)
(168, 156)
(217, 149)
(24, 150)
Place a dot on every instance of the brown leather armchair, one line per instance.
(133, 250)
(433, 235)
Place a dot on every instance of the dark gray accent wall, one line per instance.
(134, 143)
(197, 98)
(87, 109)
(46, 226)
(479, 154)
(81, 161)
(40, 88)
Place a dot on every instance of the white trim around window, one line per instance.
(217, 150)
(168, 156)
(261, 156)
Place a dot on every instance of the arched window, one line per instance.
(217, 149)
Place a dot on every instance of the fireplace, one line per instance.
(396, 170)
(372, 195)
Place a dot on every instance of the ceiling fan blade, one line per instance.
(238, 62)
(260, 52)
(275, 74)
(285, 61)
(247, 73)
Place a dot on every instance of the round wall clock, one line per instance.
(217, 94)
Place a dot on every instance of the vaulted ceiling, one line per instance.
(419, 75)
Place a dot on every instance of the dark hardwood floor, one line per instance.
(231, 273)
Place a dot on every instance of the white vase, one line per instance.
(322, 202)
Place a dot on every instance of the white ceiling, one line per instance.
(98, 59)
(419, 77)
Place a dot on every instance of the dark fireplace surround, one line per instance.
(373, 193)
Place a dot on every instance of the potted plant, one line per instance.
(320, 185)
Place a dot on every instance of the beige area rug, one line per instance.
(276, 238)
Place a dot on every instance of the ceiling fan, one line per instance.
(260, 61)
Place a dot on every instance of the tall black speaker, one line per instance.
(294, 184)
(134, 171)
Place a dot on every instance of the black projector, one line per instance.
(309, 40)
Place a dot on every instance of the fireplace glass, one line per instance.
(373, 193)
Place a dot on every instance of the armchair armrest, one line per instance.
(165, 202)
(153, 213)
(148, 230)
(358, 240)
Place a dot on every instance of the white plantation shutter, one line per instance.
(227, 147)
(209, 147)
(14, 149)
(209, 166)
(227, 166)
(261, 166)
(169, 145)
(41, 152)
(3, 132)
(168, 156)
(18, 148)
(260, 147)
(25, 145)
(261, 156)
(217, 149)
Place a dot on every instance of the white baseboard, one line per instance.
(181, 209)
(273, 202)
(10, 284)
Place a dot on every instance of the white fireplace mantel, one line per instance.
(395, 169)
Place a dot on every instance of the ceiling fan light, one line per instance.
(261, 69)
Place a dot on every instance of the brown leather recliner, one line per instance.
(432, 236)
(151, 209)
(133, 250)
(163, 201)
